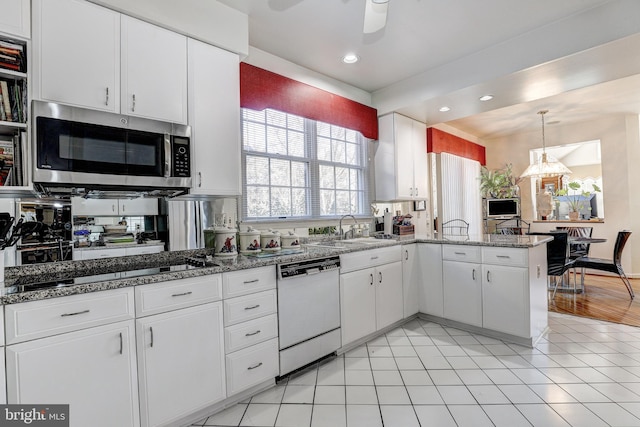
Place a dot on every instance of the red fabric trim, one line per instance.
(260, 89)
(439, 141)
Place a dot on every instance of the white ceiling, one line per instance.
(585, 63)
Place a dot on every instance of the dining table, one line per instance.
(578, 240)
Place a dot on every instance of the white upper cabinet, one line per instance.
(14, 18)
(154, 72)
(92, 57)
(76, 54)
(401, 167)
(214, 116)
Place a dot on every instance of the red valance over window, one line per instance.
(439, 141)
(260, 89)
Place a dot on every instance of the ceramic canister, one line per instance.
(290, 241)
(270, 241)
(250, 241)
(225, 241)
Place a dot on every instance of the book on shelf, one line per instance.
(6, 160)
(13, 97)
(13, 55)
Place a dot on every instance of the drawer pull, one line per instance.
(473, 274)
(371, 274)
(380, 276)
(374, 257)
(252, 307)
(488, 276)
(74, 314)
(120, 342)
(254, 367)
(151, 330)
(246, 282)
(460, 253)
(252, 333)
(503, 256)
(182, 294)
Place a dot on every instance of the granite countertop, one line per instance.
(156, 270)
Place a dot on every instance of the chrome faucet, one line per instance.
(343, 235)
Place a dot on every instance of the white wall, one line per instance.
(620, 141)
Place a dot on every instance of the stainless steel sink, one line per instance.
(334, 244)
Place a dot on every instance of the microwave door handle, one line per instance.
(167, 155)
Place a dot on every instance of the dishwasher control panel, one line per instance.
(308, 267)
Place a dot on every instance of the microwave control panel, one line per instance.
(181, 157)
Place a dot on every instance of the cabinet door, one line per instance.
(77, 54)
(181, 363)
(505, 299)
(430, 289)
(105, 207)
(92, 370)
(154, 72)
(420, 161)
(15, 18)
(214, 116)
(137, 207)
(410, 280)
(403, 127)
(357, 304)
(463, 292)
(389, 301)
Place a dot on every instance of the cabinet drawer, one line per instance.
(249, 333)
(461, 253)
(249, 307)
(37, 319)
(244, 282)
(161, 297)
(369, 258)
(516, 257)
(102, 253)
(251, 366)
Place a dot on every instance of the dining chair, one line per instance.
(613, 265)
(455, 227)
(513, 227)
(558, 261)
(577, 250)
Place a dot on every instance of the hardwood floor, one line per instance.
(606, 298)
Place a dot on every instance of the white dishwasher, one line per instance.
(308, 311)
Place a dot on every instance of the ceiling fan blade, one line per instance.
(375, 16)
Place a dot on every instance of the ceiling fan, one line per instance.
(375, 15)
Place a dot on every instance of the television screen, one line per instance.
(502, 208)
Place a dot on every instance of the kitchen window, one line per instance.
(300, 168)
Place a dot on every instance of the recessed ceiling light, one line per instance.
(444, 109)
(486, 98)
(350, 58)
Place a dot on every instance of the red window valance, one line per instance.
(439, 141)
(260, 89)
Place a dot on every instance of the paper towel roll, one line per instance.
(388, 223)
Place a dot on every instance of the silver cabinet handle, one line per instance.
(113, 208)
(374, 257)
(252, 307)
(182, 294)
(120, 342)
(254, 367)
(74, 314)
(416, 191)
(371, 274)
(123, 208)
(133, 105)
(252, 333)
(488, 276)
(411, 191)
(199, 179)
(460, 253)
(151, 330)
(473, 274)
(503, 256)
(379, 276)
(106, 101)
(246, 282)
(406, 255)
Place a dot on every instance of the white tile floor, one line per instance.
(584, 373)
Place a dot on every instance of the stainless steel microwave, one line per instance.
(79, 147)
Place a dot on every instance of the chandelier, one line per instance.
(544, 167)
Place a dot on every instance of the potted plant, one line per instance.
(498, 184)
(578, 199)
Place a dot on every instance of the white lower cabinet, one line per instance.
(93, 370)
(462, 283)
(505, 299)
(180, 363)
(370, 298)
(411, 279)
(252, 366)
(431, 299)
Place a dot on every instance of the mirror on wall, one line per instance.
(584, 160)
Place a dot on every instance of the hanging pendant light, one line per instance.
(544, 167)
